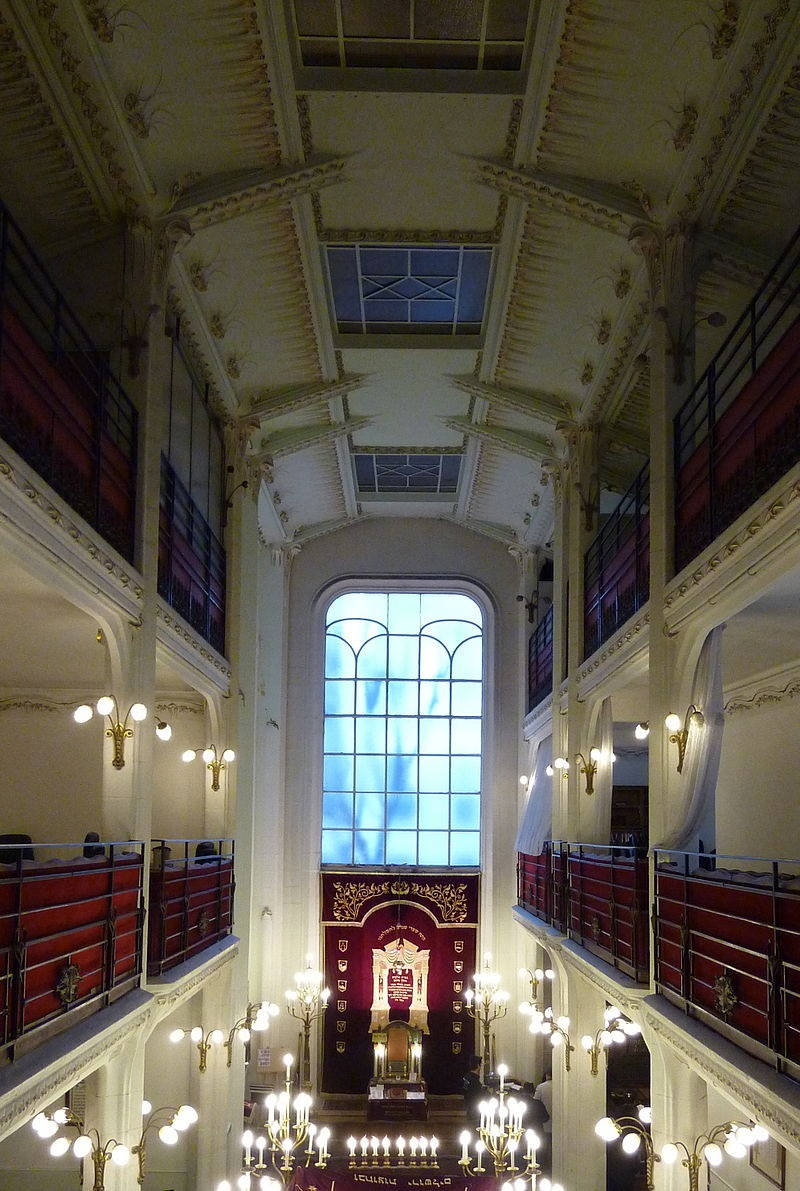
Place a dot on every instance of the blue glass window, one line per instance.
(385, 290)
(403, 727)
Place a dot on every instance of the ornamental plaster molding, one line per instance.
(190, 645)
(280, 190)
(766, 691)
(82, 89)
(778, 514)
(772, 1111)
(629, 640)
(517, 183)
(19, 1106)
(166, 998)
(748, 75)
(92, 554)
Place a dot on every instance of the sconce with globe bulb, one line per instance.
(616, 1030)
(169, 1122)
(215, 761)
(734, 1138)
(679, 733)
(119, 728)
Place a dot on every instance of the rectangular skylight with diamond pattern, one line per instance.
(406, 473)
(432, 290)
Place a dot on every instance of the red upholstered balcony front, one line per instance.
(191, 901)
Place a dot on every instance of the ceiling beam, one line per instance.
(300, 397)
(532, 403)
(530, 446)
(289, 442)
(607, 207)
(239, 194)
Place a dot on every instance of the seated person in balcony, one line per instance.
(92, 845)
(205, 852)
(474, 1091)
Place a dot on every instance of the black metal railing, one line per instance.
(540, 660)
(61, 408)
(617, 566)
(739, 430)
(191, 561)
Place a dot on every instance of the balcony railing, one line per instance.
(191, 900)
(727, 945)
(191, 561)
(596, 895)
(540, 661)
(61, 409)
(70, 935)
(617, 566)
(739, 431)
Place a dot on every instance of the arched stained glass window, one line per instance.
(403, 729)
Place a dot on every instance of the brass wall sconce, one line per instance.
(215, 762)
(589, 768)
(119, 729)
(170, 1123)
(554, 1028)
(257, 1017)
(733, 1137)
(642, 730)
(679, 734)
(616, 1029)
(561, 764)
(535, 977)
(679, 341)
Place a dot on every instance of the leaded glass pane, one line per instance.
(403, 697)
(372, 659)
(339, 731)
(369, 847)
(466, 736)
(434, 736)
(465, 775)
(338, 696)
(337, 809)
(338, 773)
(370, 773)
(340, 660)
(434, 773)
(466, 698)
(465, 847)
(370, 811)
(468, 659)
(401, 773)
(401, 734)
(434, 811)
(371, 734)
(401, 811)
(371, 697)
(465, 811)
(337, 847)
(401, 847)
(434, 698)
(433, 847)
(434, 661)
(403, 657)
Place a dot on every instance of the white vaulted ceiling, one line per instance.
(204, 113)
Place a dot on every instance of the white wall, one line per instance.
(758, 791)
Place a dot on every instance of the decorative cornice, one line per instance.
(748, 74)
(60, 516)
(232, 198)
(766, 691)
(568, 197)
(178, 628)
(633, 629)
(291, 441)
(529, 446)
(766, 518)
(89, 107)
(289, 401)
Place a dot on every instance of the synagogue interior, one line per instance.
(400, 595)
